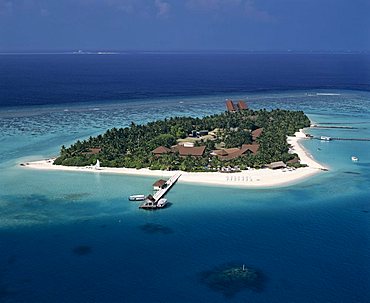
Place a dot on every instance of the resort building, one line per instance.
(158, 185)
(161, 150)
(187, 144)
(184, 149)
(93, 151)
(233, 153)
(277, 165)
(295, 160)
(196, 151)
(253, 148)
(256, 133)
(242, 105)
(202, 133)
(230, 106)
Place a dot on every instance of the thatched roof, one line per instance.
(159, 183)
(160, 150)
(190, 151)
(93, 151)
(251, 147)
(276, 165)
(230, 106)
(256, 133)
(242, 105)
(220, 152)
(294, 160)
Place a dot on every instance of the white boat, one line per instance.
(151, 204)
(354, 159)
(137, 198)
(324, 138)
(162, 203)
(97, 165)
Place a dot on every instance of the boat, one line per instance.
(354, 159)
(97, 165)
(162, 203)
(136, 197)
(152, 204)
(324, 138)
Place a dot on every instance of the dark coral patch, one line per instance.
(231, 278)
(153, 228)
(12, 259)
(82, 250)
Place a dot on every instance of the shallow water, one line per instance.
(74, 237)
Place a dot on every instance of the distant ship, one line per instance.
(354, 159)
(324, 138)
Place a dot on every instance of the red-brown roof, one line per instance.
(233, 153)
(191, 151)
(242, 105)
(293, 161)
(276, 165)
(159, 183)
(220, 152)
(230, 106)
(160, 150)
(252, 147)
(256, 133)
(231, 156)
(93, 151)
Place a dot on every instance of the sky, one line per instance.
(185, 25)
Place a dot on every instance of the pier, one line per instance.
(344, 139)
(351, 139)
(166, 187)
(156, 201)
(334, 127)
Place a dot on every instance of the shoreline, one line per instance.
(252, 178)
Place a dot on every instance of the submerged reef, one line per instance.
(153, 228)
(232, 278)
(75, 196)
(82, 250)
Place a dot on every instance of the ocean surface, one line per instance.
(74, 237)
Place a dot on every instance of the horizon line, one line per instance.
(215, 51)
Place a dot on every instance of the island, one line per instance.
(240, 146)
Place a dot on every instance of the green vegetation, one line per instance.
(132, 146)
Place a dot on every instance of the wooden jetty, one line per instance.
(345, 139)
(152, 200)
(167, 186)
(352, 139)
(334, 127)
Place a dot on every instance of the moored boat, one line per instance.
(162, 203)
(354, 159)
(151, 204)
(136, 197)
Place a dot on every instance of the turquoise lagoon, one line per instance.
(74, 237)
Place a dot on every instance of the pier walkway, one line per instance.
(169, 183)
(344, 139)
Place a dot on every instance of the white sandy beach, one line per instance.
(247, 178)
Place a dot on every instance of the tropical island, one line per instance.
(234, 140)
(239, 147)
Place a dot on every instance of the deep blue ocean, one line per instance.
(74, 237)
(59, 79)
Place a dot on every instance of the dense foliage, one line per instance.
(132, 146)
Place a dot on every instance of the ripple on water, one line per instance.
(82, 250)
(153, 228)
(75, 196)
